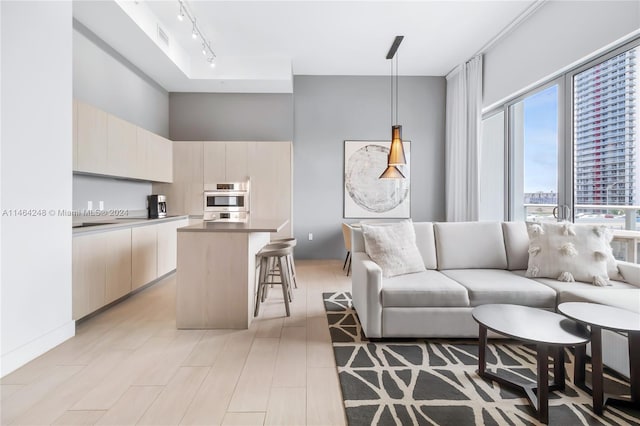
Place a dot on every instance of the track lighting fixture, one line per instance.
(196, 32)
(181, 14)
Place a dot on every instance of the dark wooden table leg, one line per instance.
(543, 382)
(597, 382)
(634, 365)
(558, 367)
(579, 366)
(482, 349)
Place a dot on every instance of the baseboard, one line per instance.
(15, 359)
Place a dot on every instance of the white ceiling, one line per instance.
(260, 44)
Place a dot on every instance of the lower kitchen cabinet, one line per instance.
(109, 265)
(118, 259)
(168, 245)
(89, 273)
(144, 255)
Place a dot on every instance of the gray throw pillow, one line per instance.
(393, 247)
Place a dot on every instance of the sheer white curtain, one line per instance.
(464, 105)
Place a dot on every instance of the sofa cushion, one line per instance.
(560, 286)
(426, 242)
(500, 286)
(470, 245)
(423, 289)
(516, 242)
(628, 299)
(568, 252)
(393, 247)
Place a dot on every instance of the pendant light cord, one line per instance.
(397, 87)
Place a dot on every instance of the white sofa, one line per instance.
(470, 264)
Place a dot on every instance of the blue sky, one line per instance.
(541, 141)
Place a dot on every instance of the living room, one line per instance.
(525, 48)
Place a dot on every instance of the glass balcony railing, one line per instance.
(623, 220)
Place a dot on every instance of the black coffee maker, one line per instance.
(156, 206)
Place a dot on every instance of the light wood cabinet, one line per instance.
(88, 273)
(92, 139)
(121, 148)
(167, 245)
(271, 182)
(188, 162)
(214, 162)
(109, 265)
(107, 145)
(143, 255)
(118, 261)
(159, 159)
(236, 161)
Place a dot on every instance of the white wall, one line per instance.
(558, 34)
(35, 174)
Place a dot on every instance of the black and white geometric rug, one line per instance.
(434, 382)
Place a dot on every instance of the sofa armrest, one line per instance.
(630, 272)
(366, 283)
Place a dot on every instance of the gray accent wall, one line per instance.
(322, 113)
(104, 78)
(230, 117)
(330, 110)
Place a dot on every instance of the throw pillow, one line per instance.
(568, 252)
(393, 247)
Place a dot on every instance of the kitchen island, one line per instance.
(216, 272)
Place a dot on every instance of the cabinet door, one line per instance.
(75, 134)
(118, 260)
(92, 139)
(214, 162)
(165, 159)
(168, 245)
(88, 273)
(143, 255)
(237, 168)
(143, 142)
(271, 175)
(121, 147)
(188, 162)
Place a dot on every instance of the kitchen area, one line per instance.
(236, 195)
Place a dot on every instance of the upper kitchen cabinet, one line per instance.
(121, 148)
(226, 162)
(215, 162)
(160, 159)
(237, 162)
(108, 145)
(92, 139)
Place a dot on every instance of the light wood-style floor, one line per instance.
(129, 365)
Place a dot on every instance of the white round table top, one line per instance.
(604, 316)
(531, 324)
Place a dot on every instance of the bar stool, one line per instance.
(270, 256)
(290, 263)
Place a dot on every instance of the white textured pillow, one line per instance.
(568, 252)
(393, 247)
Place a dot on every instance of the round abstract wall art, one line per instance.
(365, 194)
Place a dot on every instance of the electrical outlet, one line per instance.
(310, 236)
(89, 205)
(101, 204)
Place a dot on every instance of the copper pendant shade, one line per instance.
(396, 151)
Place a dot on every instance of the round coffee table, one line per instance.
(600, 317)
(550, 333)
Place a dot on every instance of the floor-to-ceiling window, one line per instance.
(573, 145)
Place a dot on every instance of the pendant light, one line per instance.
(396, 151)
